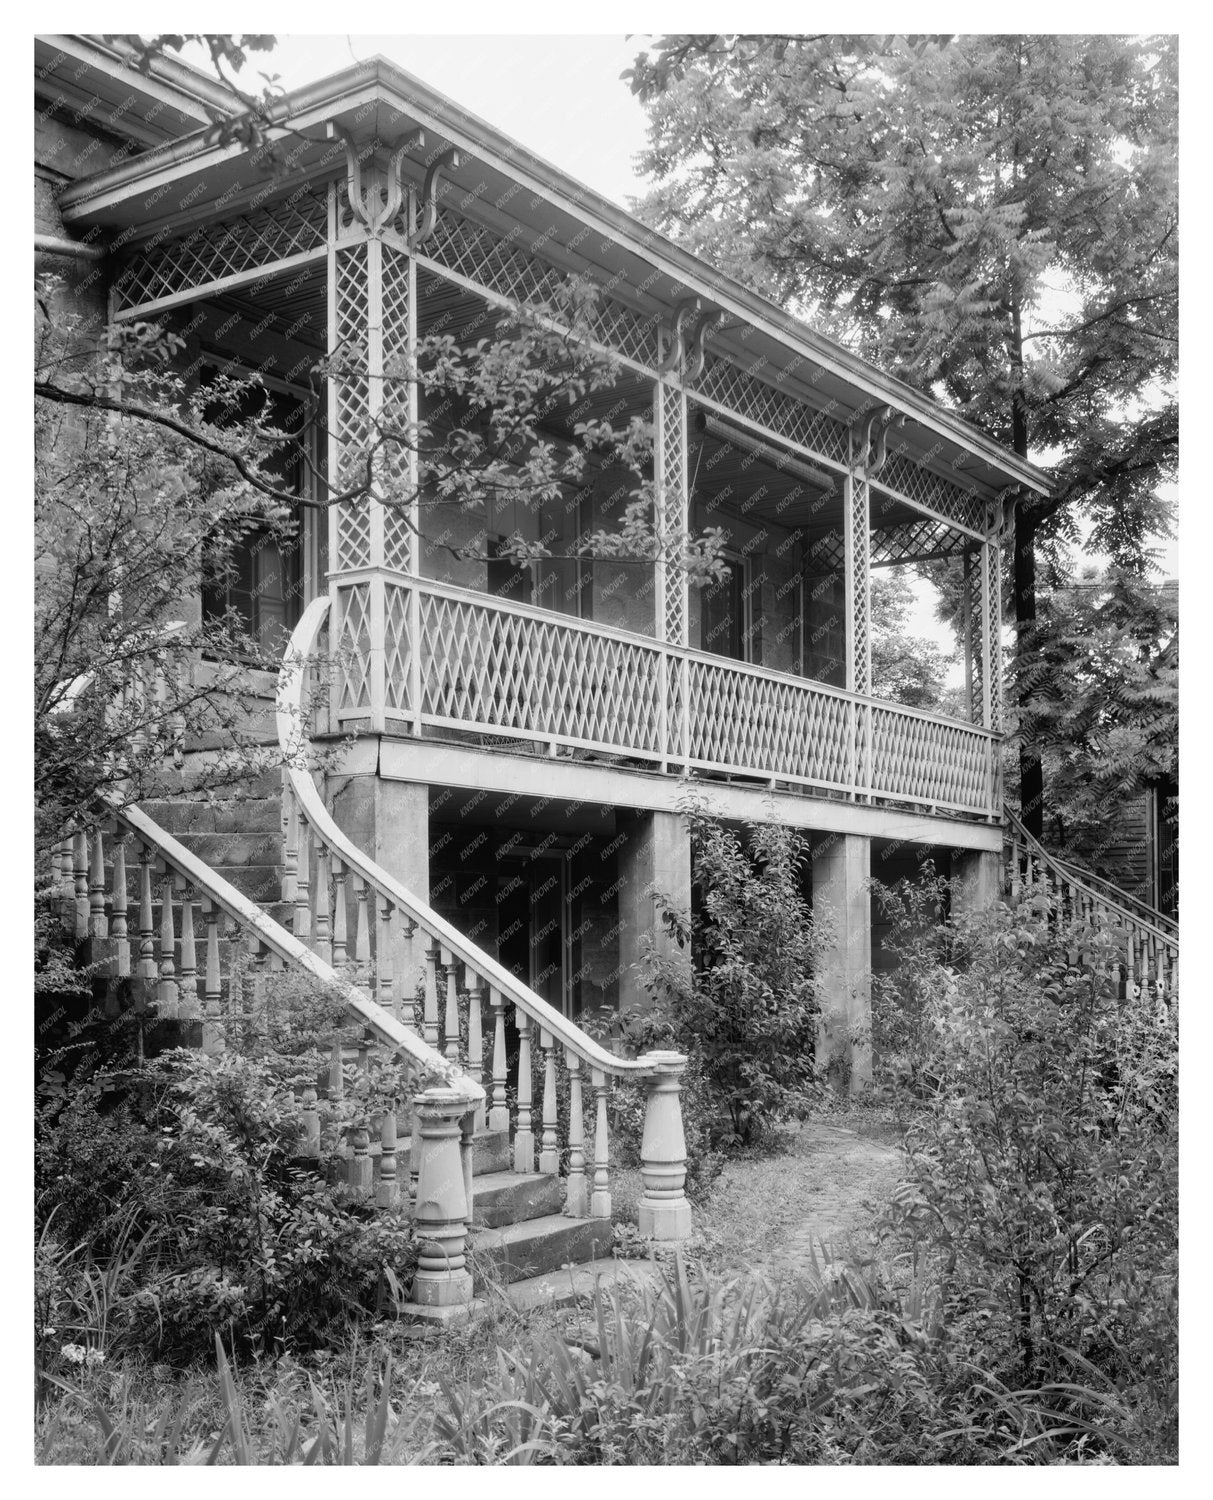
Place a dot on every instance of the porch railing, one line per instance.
(439, 656)
(1148, 942)
(423, 970)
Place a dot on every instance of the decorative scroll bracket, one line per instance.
(448, 160)
(706, 324)
(372, 202)
(674, 360)
(871, 449)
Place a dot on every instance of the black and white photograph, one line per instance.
(605, 625)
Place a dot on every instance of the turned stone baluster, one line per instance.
(361, 1167)
(80, 882)
(118, 924)
(212, 1013)
(387, 1192)
(451, 1019)
(664, 1213)
(442, 1280)
(384, 990)
(576, 1197)
(362, 933)
(600, 1198)
(324, 942)
(147, 928)
(310, 1145)
(430, 1015)
(467, 1159)
(189, 1010)
(339, 1172)
(167, 994)
(98, 927)
(476, 1042)
(414, 1155)
(499, 1114)
(303, 896)
(290, 844)
(1130, 973)
(340, 916)
(549, 1145)
(524, 1139)
(63, 869)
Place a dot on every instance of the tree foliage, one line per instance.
(747, 1006)
(1098, 693)
(906, 668)
(991, 218)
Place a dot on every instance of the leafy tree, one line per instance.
(909, 669)
(1098, 692)
(992, 218)
(747, 1008)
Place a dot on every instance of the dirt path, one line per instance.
(829, 1186)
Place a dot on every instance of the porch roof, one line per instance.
(501, 182)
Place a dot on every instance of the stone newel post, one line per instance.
(665, 1213)
(442, 1280)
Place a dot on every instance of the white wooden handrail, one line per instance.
(278, 940)
(292, 740)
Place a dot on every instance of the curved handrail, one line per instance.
(291, 738)
(288, 947)
(1085, 883)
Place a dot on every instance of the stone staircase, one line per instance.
(197, 903)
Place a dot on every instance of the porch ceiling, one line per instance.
(500, 184)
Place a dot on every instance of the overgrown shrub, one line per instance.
(1043, 1151)
(194, 1158)
(746, 1007)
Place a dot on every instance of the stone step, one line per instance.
(237, 815)
(516, 1252)
(501, 1198)
(490, 1152)
(236, 850)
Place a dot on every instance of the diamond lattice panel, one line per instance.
(762, 724)
(925, 538)
(354, 649)
(906, 479)
(779, 413)
(353, 425)
(860, 600)
(995, 629)
(672, 521)
(535, 677)
(213, 251)
(397, 535)
(918, 758)
(397, 656)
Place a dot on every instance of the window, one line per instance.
(262, 582)
(724, 611)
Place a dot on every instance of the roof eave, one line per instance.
(360, 82)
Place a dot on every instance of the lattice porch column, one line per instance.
(857, 561)
(670, 524)
(372, 337)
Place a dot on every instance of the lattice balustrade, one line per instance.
(353, 665)
(943, 764)
(397, 648)
(744, 721)
(909, 481)
(211, 252)
(537, 678)
(779, 413)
